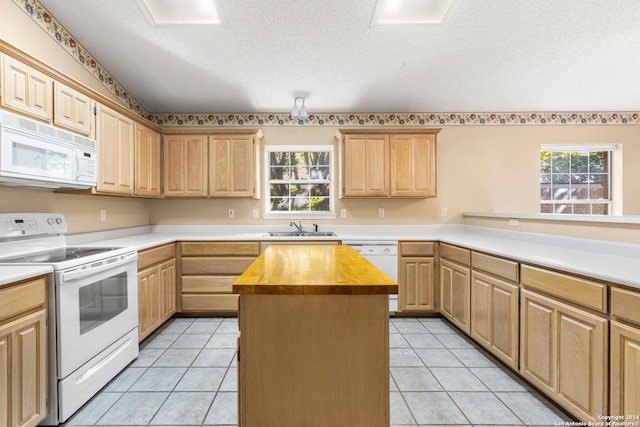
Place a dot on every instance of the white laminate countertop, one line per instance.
(605, 260)
(17, 273)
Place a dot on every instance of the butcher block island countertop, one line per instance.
(314, 339)
(313, 270)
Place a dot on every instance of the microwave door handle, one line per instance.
(77, 156)
(79, 274)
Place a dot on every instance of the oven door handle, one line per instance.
(104, 265)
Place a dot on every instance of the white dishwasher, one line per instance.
(384, 255)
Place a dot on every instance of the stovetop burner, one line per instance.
(56, 255)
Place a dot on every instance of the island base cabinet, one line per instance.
(23, 373)
(625, 369)
(563, 354)
(313, 360)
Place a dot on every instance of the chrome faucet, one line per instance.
(298, 226)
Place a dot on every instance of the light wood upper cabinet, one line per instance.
(365, 166)
(147, 162)
(25, 89)
(413, 165)
(563, 352)
(72, 109)
(232, 171)
(114, 133)
(185, 166)
(381, 163)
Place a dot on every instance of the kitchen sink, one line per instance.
(301, 234)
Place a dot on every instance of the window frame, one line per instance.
(299, 215)
(614, 174)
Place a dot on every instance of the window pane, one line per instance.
(277, 158)
(320, 173)
(561, 178)
(599, 187)
(599, 162)
(579, 162)
(279, 190)
(545, 192)
(561, 192)
(562, 209)
(545, 161)
(300, 203)
(280, 204)
(560, 162)
(280, 172)
(582, 208)
(600, 209)
(546, 208)
(319, 203)
(319, 190)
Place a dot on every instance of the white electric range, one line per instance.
(92, 303)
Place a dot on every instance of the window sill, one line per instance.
(298, 215)
(559, 217)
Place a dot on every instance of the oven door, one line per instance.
(97, 305)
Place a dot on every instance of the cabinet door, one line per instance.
(24, 374)
(26, 90)
(365, 166)
(625, 369)
(413, 165)
(494, 316)
(167, 290)
(563, 353)
(148, 301)
(455, 298)
(115, 145)
(231, 166)
(185, 166)
(72, 109)
(147, 162)
(417, 290)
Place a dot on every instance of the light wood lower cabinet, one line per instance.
(563, 353)
(416, 277)
(494, 316)
(625, 352)
(23, 354)
(156, 288)
(455, 286)
(208, 270)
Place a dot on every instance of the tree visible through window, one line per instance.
(299, 181)
(575, 181)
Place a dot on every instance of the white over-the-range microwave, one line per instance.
(33, 154)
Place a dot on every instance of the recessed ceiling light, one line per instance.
(180, 13)
(410, 12)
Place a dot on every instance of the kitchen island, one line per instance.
(314, 339)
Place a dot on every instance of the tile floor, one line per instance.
(186, 375)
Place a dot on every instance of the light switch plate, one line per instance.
(231, 213)
(343, 213)
(380, 212)
(256, 212)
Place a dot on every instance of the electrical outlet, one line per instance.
(231, 213)
(513, 222)
(343, 213)
(103, 214)
(444, 212)
(380, 212)
(256, 212)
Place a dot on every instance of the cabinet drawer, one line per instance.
(625, 304)
(416, 248)
(499, 267)
(155, 255)
(265, 245)
(204, 302)
(220, 248)
(216, 265)
(455, 254)
(580, 291)
(208, 284)
(23, 297)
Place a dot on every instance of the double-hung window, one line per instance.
(299, 181)
(576, 179)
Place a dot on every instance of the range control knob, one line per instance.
(50, 220)
(58, 220)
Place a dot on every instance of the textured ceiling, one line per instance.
(489, 56)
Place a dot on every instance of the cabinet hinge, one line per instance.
(95, 110)
(518, 363)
